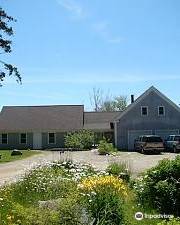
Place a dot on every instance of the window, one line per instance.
(23, 138)
(144, 110)
(161, 111)
(51, 138)
(4, 138)
(177, 138)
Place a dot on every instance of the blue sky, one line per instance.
(64, 48)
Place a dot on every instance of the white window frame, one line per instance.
(147, 110)
(20, 139)
(7, 139)
(163, 110)
(54, 138)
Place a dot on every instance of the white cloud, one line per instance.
(73, 7)
(103, 30)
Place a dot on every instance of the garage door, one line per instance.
(165, 133)
(133, 134)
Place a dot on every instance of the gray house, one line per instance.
(38, 127)
(151, 113)
(42, 127)
(101, 123)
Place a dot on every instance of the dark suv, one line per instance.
(172, 143)
(149, 144)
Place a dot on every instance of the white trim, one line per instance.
(147, 110)
(7, 139)
(37, 140)
(141, 97)
(20, 138)
(54, 138)
(115, 134)
(164, 113)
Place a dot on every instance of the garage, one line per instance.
(133, 134)
(165, 133)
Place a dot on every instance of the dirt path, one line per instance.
(11, 171)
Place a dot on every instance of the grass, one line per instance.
(6, 155)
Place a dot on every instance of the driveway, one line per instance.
(11, 171)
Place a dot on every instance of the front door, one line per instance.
(37, 140)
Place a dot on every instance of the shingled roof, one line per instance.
(99, 120)
(41, 118)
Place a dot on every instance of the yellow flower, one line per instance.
(113, 183)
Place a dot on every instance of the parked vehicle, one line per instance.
(172, 143)
(149, 144)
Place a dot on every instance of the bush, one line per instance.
(159, 187)
(170, 222)
(105, 147)
(119, 169)
(82, 139)
(104, 197)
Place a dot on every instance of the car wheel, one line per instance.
(174, 149)
(142, 150)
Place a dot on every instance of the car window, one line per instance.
(154, 139)
(169, 138)
(177, 138)
(144, 139)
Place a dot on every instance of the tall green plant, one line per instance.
(82, 139)
(160, 187)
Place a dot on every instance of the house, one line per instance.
(38, 127)
(101, 123)
(44, 127)
(151, 113)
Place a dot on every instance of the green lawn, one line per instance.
(6, 155)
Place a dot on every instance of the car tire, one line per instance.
(142, 150)
(174, 149)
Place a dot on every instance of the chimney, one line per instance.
(132, 98)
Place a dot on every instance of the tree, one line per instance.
(96, 99)
(106, 102)
(5, 47)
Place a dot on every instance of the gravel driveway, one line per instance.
(9, 172)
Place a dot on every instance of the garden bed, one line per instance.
(71, 194)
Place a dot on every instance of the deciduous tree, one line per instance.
(6, 30)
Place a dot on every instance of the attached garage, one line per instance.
(133, 134)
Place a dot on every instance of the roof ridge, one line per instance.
(37, 105)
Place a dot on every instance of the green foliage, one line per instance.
(6, 155)
(170, 222)
(82, 139)
(119, 169)
(159, 187)
(105, 147)
(118, 103)
(104, 198)
(5, 46)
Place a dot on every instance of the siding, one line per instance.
(13, 142)
(59, 141)
(133, 120)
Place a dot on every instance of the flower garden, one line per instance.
(77, 194)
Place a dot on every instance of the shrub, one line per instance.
(170, 222)
(119, 169)
(104, 197)
(82, 139)
(159, 187)
(105, 147)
